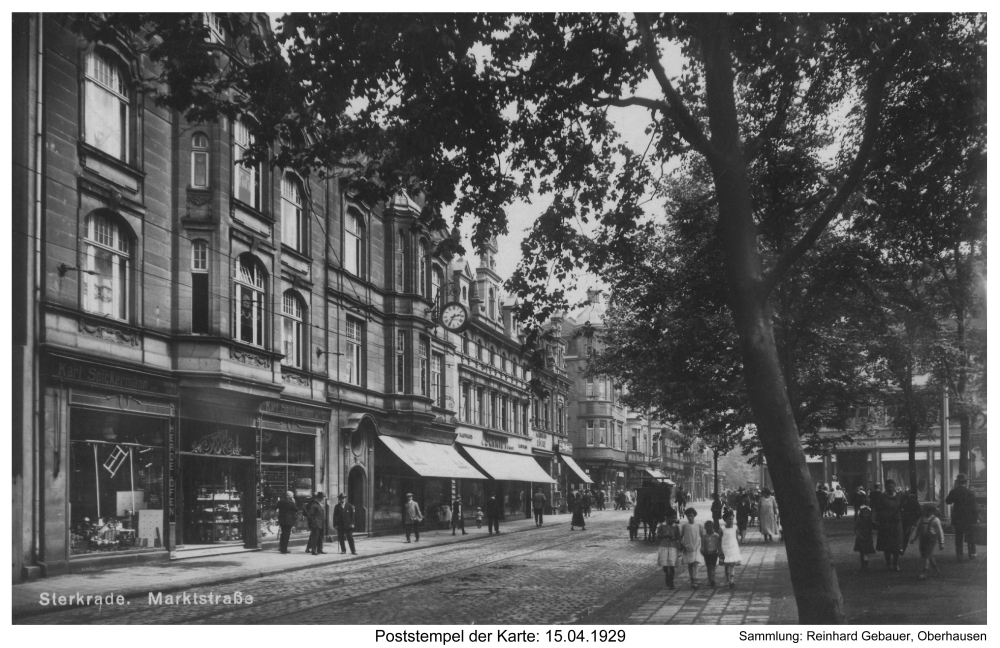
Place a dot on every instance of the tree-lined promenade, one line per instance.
(827, 216)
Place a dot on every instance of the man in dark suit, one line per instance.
(343, 522)
(964, 515)
(457, 517)
(316, 514)
(288, 513)
(493, 514)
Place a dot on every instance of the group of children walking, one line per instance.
(690, 543)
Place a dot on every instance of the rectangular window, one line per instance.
(466, 405)
(516, 415)
(524, 419)
(199, 168)
(494, 410)
(590, 433)
(199, 302)
(246, 182)
(560, 426)
(603, 426)
(424, 369)
(603, 388)
(635, 438)
(590, 387)
(548, 420)
(437, 379)
(620, 438)
(478, 407)
(400, 362)
(355, 357)
(106, 107)
(503, 413)
(352, 244)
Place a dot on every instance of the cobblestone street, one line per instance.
(531, 576)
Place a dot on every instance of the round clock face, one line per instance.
(454, 316)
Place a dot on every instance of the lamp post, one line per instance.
(945, 458)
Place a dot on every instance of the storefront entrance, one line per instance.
(357, 489)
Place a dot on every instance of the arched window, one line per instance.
(199, 161)
(292, 230)
(492, 304)
(465, 295)
(107, 283)
(493, 357)
(291, 329)
(503, 361)
(400, 262)
(199, 287)
(246, 178)
(479, 350)
(249, 301)
(106, 105)
(354, 230)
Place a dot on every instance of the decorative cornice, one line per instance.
(295, 379)
(250, 359)
(110, 332)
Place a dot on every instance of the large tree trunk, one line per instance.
(814, 579)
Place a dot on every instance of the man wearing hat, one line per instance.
(493, 510)
(964, 515)
(343, 522)
(411, 518)
(316, 514)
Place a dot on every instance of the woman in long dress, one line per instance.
(890, 526)
(669, 535)
(576, 504)
(768, 515)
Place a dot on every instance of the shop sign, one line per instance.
(219, 444)
(97, 375)
(978, 486)
(172, 475)
(295, 410)
(542, 440)
(494, 442)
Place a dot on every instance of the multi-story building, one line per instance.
(195, 336)
(597, 417)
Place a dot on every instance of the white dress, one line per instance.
(768, 519)
(730, 546)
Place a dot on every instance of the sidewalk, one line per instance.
(204, 571)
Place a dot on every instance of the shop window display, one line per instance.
(116, 482)
(288, 464)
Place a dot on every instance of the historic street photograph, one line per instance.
(501, 319)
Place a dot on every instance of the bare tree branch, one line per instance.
(754, 146)
(626, 102)
(682, 118)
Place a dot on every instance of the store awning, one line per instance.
(431, 459)
(656, 474)
(509, 466)
(582, 476)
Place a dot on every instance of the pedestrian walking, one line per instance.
(412, 517)
(493, 511)
(577, 520)
(768, 515)
(743, 508)
(964, 515)
(457, 515)
(668, 534)
(343, 522)
(860, 499)
(588, 501)
(710, 545)
(864, 526)
(691, 545)
(288, 513)
(316, 515)
(716, 508)
(823, 499)
(538, 505)
(890, 526)
(839, 498)
(911, 514)
(931, 536)
(479, 518)
(729, 549)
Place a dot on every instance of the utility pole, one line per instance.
(945, 457)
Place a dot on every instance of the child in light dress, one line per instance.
(730, 548)
(668, 534)
(691, 545)
(931, 535)
(479, 518)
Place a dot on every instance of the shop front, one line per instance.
(432, 472)
(508, 463)
(107, 435)
(292, 437)
(574, 477)
(544, 455)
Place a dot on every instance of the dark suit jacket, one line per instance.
(456, 509)
(492, 508)
(963, 511)
(343, 516)
(288, 512)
